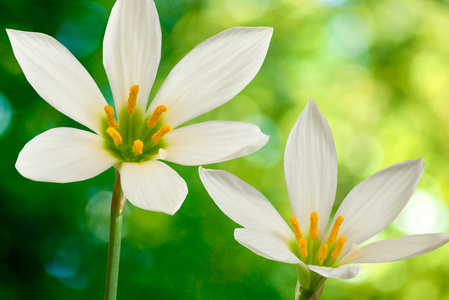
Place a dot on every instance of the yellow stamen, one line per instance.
(110, 116)
(160, 133)
(132, 99)
(296, 229)
(115, 135)
(137, 147)
(157, 113)
(303, 248)
(335, 229)
(340, 243)
(314, 226)
(323, 253)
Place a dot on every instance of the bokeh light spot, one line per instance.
(246, 10)
(66, 260)
(5, 114)
(67, 264)
(363, 155)
(429, 74)
(348, 35)
(425, 213)
(79, 282)
(421, 289)
(395, 20)
(389, 277)
(271, 153)
(332, 3)
(82, 35)
(98, 215)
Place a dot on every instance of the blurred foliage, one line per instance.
(378, 70)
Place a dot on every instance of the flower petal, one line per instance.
(395, 249)
(375, 202)
(266, 245)
(132, 49)
(343, 272)
(58, 77)
(153, 185)
(64, 155)
(211, 142)
(310, 166)
(212, 73)
(244, 204)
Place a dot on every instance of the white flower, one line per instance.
(210, 75)
(311, 177)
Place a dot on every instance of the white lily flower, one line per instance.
(311, 177)
(207, 77)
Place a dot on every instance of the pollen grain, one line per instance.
(115, 135)
(110, 116)
(160, 133)
(334, 232)
(314, 226)
(157, 113)
(137, 147)
(340, 243)
(303, 247)
(296, 228)
(132, 99)
(323, 253)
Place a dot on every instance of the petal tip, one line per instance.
(418, 163)
(265, 138)
(21, 167)
(174, 210)
(12, 34)
(421, 161)
(10, 31)
(262, 139)
(269, 30)
(202, 170)
(18, 167)
(206, 172)
(312, 104)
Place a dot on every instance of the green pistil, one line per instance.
(132, 127)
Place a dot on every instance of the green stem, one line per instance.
(306, 294)
(115, 236)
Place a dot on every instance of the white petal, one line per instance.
(343, 272)
(212, 73)
(132, 49)
(310, 166)
(375, 202)
(211, 142)
(244, 204)
(64, 155)
(395, 249)
(153, 185)
(58, 77)
(265, 245)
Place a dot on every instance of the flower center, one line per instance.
(135, 139)
(313, 252)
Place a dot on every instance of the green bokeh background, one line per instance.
(379, 72)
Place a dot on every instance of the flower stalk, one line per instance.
(306, 294)
(115, 237)
(310, 284)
